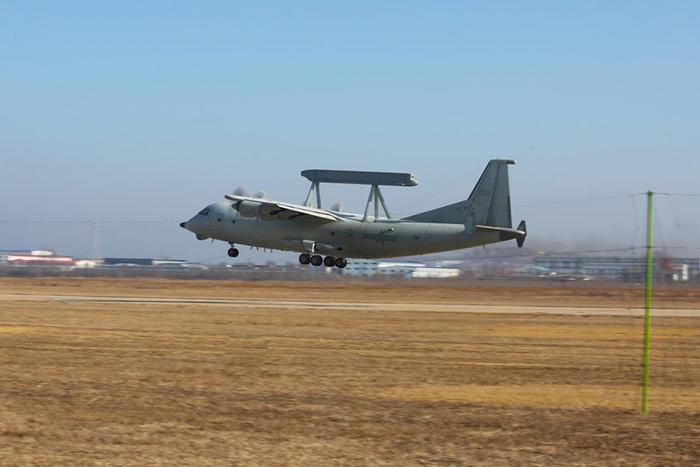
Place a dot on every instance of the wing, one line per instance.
(272, 208)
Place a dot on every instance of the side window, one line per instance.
(204, 211)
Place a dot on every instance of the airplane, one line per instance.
(329, 236)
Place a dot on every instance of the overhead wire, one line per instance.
(165, 221)
(678, 194)
(82, 221)
(578, 200)
(668, 350)
(636, 229)
(637, 222)
(441, 189)
(555, 253)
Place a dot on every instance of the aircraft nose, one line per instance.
(183, 225)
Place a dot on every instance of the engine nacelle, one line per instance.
(248, 208)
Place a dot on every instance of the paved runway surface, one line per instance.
(411, 307)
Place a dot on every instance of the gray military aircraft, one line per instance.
(328, 236)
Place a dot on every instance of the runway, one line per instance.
(364, 306)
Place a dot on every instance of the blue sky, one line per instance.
(150, 110)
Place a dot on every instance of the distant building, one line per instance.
(34, 258)
(169, 262)
(177, 264)
(436, 273)
(88, 263)
(127, 262)
(620, 267)
(151, 263)
(397, 268)
(5, 253)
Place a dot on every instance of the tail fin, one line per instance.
(488, 204)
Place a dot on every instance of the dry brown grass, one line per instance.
(135, 384)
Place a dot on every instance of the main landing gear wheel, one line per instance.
(341, 263)
(233, 252)
(316, 260)
(304, 258)
(329, 261)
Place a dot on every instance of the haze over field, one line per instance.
(141, 112)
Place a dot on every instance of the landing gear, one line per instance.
(233, 252)
(304, 258)
(318, 260)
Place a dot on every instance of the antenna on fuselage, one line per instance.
(315, 187)
(375, 196)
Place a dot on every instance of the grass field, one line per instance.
(89, 382)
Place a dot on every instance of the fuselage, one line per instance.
(350, 237)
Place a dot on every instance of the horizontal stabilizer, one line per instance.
(520, 238)
(506, 233)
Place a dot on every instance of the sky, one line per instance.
(138, 114)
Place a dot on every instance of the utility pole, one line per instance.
(647, 302)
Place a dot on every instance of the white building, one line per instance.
(409, 269)
(34, 258)
(436, 273)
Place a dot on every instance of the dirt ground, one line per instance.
(90, 383)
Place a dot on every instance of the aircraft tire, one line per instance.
(341, 263)
(304, 258)
(316, 260)
(329, 261)
(233, 252)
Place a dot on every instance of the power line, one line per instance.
(579, 253)
(579, 200)
(557, 253)
(679, 194)
(79, 221)
(145, 221)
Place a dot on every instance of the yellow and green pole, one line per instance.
(647, 302)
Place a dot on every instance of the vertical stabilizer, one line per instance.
(488, 203)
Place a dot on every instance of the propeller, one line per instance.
(241, 191)
(260, 195)
(338, 207)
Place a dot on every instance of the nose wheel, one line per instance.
(233, 252)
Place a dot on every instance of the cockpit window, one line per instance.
(204, 211)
